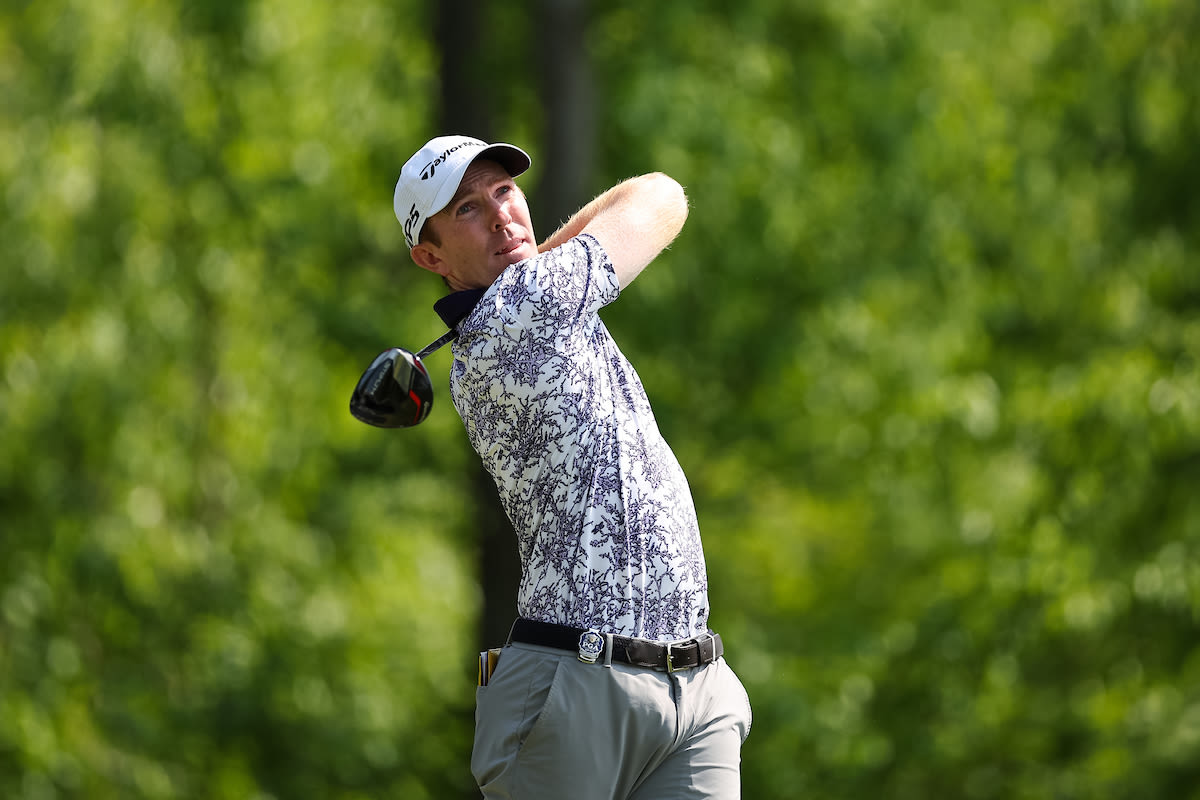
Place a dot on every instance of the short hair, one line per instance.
(429, 236)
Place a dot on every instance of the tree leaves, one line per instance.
(925, 348)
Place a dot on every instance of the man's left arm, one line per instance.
(634, 221)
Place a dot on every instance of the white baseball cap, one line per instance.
(430, 178)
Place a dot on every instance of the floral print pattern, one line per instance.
(605, 522)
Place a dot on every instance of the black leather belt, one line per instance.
(590, 646)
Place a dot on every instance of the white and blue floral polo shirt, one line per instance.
(604, 517)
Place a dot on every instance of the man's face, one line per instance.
(485, 229)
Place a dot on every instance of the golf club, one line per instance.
(395, 391)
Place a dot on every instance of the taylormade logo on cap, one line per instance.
(430, 178)
(429, 169)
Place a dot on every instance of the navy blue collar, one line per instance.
(454, 307)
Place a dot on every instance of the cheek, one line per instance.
(524, 217)
(519, 208)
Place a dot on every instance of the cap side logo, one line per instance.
(413, 216)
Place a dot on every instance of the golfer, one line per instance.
(611, 684)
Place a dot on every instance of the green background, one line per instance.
(927, 349)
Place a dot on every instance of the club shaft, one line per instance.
(437, 343)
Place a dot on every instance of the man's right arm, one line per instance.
(634, 221)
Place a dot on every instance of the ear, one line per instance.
(426, 257)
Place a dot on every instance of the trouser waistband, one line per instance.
(590, 645)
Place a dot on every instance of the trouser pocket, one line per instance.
(508, 710)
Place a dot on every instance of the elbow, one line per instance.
(672, 197)
(681, 200)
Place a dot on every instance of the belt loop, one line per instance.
(608, 648)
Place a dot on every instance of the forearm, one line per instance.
(634, 221)
(580, 219)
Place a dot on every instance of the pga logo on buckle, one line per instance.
(591, 645)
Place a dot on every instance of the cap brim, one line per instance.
(512, 158)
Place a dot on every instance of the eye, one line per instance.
(465, 208)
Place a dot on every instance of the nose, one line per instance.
(500, 217)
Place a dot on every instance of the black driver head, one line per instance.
(394, 392)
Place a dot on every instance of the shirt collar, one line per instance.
(454, 307)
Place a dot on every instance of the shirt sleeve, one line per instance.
(560, 290)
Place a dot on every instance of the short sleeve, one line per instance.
(560, 290)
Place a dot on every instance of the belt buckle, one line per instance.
(591, 645)
(671, 658)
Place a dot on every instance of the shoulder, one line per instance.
(583, 255)
(578, 262)
(580, 246)
(560, 288)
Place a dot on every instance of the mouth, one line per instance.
(515, 244)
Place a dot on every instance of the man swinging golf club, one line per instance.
(611, 684)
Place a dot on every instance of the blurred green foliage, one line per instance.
(928, 350)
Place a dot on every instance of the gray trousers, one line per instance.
(548, 725)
